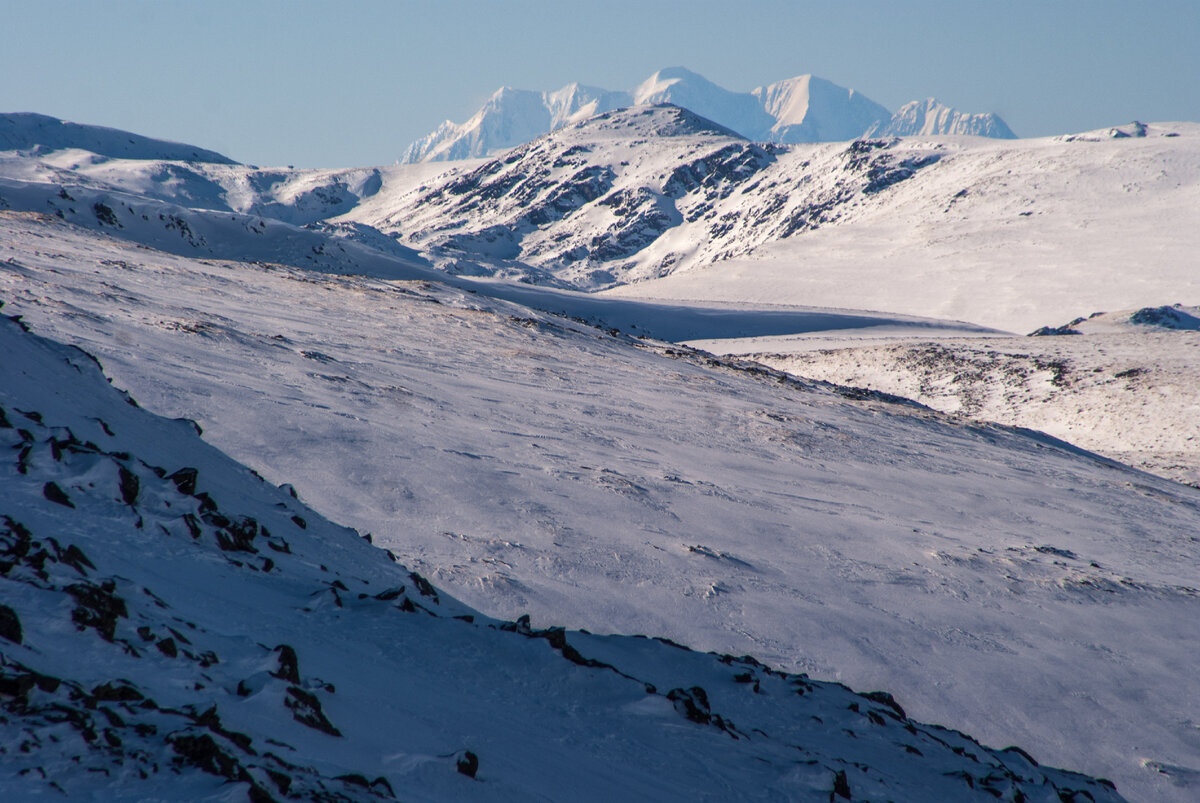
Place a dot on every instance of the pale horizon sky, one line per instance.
(324, 85)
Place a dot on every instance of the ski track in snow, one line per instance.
(996, 581)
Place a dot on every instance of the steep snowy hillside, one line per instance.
(1011, 234)
(801, 109)
(635, 194)
(39, 133)
(1127, 390)
(994, 580)
(240, 647)
(928, 118)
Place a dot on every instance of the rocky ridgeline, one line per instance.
(601, 202)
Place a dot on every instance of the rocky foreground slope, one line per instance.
(172, 627)
(994, 580)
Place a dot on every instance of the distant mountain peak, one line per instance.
(930, 117)
(804, 108)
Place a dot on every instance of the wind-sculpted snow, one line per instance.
(995, 580)
(239, 646)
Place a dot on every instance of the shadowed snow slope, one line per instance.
(240, 647)
(995, 580)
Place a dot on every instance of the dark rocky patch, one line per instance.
(289, 664)
(129, 485)
(467, 763)
(185, 480)
(306, 709)
(97, 607)
(56, 494)
(10, 625)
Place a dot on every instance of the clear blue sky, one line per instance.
(352, 83)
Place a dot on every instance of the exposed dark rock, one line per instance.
(117, 691)
(1054, 331)
(74, 557)
(201, 751)
(56, 494)
(10, 625)
(289, 664)
(841, 786)
(185, 480)
(885, 698)
(129, 485)
(97, 607)
(425, 588)
(306, 709)
(692, 703)
(467, 763)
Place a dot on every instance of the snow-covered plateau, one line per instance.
(537, 451)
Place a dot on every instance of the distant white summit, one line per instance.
(801, 109)
(929, 117)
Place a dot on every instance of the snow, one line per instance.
(339, 330)
(994, 580)
(239, 646)
(1008, 234)
(1124, 389)
(39, 133)
(926, 118)
(800, 109)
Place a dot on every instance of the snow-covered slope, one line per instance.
(241, 647)
(637, 193)
(926, 118)
(1011, 234)
(997, 581)
(1004, 233)
(810, 109)
(1126, 389)
(801, 109)
(39, 133)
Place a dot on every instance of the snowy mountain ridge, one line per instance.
(663, 204)
(709, 216)
(801, 109)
